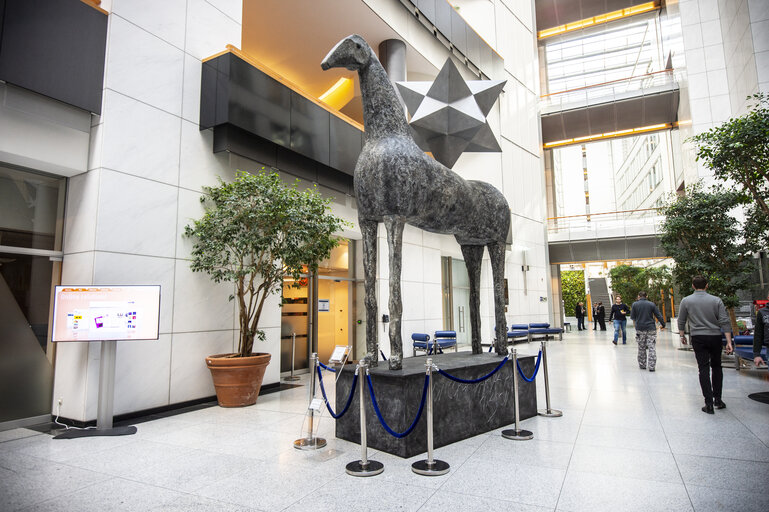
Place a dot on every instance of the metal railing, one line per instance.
(618, 223)
(609, 91)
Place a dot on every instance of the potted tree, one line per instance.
(255, 231)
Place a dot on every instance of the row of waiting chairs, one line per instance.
(448, 339)
(533, 331)
(441, 340)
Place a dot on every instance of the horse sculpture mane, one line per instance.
(397, 183)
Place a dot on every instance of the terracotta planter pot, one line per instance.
(237, 379)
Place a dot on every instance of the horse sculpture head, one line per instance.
(352, 53)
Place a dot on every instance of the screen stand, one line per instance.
(106, 399)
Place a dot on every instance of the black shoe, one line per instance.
(708, 409)
(651, 369)
(718, 404)
(642, 367)
(614, 341)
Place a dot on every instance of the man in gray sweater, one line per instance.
(707, 319)
(643, 313)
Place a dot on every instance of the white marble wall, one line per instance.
(125, 216)
(726, 46)
(745, 26)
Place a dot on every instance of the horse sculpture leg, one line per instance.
(497, 255)
(368, 229)
(473, 257)
(394, 225)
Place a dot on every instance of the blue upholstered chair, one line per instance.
(445, 339)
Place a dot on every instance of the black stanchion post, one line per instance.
(430, 466)
(311, 442)
(516, 434)
(363, 467)
(550, 413)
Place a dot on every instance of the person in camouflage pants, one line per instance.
(643, 313)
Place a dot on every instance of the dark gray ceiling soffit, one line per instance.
(553, 13)
(595, 119)
(257, 109)
(55, 48)
(605, 249)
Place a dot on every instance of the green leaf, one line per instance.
(255, 231)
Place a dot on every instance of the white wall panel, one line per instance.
(209, 30)
(142, 372)
(158, 18)
(136, 216)
(143, 67)
(139, 139)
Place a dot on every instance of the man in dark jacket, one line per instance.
(601, 315)
(579, 312)
(761, 335)
(619, 312)
(643, 313)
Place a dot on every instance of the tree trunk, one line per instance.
(733, 321)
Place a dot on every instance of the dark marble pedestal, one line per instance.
(460, 410)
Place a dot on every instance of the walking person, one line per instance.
(579, 312)
(595, 316)
(643, 314)
(601, 315)
(618, 315)
(761, 335)
(707, 318)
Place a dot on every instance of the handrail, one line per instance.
(604, 213)
(626, 79)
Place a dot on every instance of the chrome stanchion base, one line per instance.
(437, 468)
(517, 435)
(310, 443)
(371, 468)
(552, 413)
(291, 378)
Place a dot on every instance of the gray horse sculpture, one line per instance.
(396, 182)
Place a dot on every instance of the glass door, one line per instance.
(335, 301)
(294, 324)
(460, 289)
(317, 311)
(31, 214)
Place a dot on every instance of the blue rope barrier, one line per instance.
(536, 369)
(326, 367)
(325, 398)
(379, 414)
(474, 381)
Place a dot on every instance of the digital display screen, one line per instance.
(98, 313)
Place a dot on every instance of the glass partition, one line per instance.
(31, 210)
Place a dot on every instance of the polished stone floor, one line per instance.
(628, 440)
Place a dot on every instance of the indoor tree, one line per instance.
(659, 281)
(738, 153)
(627, 281)
(255, 231)
(702, 237)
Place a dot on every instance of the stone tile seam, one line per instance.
(221, 11)
(511, 141)
(573, 448)
(37, 504)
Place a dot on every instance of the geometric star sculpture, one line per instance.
(448, 115)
